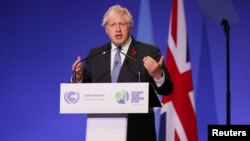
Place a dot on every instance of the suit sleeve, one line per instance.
(167, 87)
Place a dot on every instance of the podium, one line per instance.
(106, 106)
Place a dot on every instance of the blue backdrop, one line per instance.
(39, 40)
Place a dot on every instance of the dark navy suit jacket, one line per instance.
(97, 70)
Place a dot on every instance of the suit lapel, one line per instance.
(129, 67)
(106, 65)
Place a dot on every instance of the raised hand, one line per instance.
(153, 67)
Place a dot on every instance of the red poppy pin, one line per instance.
(132, 52)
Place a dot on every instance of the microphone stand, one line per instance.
(226, 26)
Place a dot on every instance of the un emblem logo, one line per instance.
(71, 97)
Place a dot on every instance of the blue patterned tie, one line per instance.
(117, 65)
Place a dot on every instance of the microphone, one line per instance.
(135, 61)
(89, 57)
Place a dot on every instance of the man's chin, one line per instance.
(118, 43)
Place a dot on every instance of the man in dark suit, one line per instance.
(140, 62)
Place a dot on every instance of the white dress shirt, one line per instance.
(124, 49)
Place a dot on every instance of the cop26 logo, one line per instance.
(71, 97)
(122, 97)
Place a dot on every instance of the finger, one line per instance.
(148, 60)
(145, 60)
(161, 60)
(79, 58)
(76, 63)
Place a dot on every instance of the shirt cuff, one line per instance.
(160, 81)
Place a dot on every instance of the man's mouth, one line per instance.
(118, 36)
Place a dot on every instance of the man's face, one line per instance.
(118, 28)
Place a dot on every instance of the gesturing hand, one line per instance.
(78, 69)
(153, 67)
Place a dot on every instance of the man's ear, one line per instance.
(106, 30)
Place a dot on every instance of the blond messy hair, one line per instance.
(117, 9)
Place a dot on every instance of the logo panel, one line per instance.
(71, 97)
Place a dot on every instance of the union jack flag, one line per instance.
(178, 117)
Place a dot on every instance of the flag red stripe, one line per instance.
(182, 82)
(174, 21)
